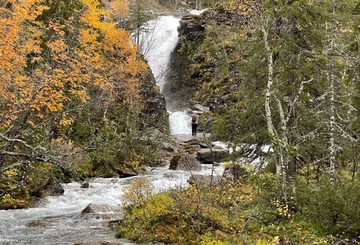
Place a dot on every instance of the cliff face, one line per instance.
(204, 66)
(181, 85)
(154, 103)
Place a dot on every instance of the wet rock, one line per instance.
(196, 179)
(85, 185)
(53, 188)
(97, 208)
(193, 141)
(42, 223)
(169, 147)
(114, 224)
(98, 243)
(234, 173)
(209, 156)
(200, 108)
(185, 161)
(124, 173)
(218, 147)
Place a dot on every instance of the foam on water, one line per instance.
(180, 122)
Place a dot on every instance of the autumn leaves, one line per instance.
(50, 57)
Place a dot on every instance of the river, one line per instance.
(68, 225)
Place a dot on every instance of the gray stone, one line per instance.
(209, 156)
(234, 173)
(98, 243)
(169, 147)
(196, 179)
(200, 108)
(185, 161)
(97, 208)
(53, 188)
(42, 223)
(85, 185)
(124, 173)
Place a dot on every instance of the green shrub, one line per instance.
(333, 207)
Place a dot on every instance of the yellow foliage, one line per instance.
(137, 191)
(120, 8)
(274, 241)
(105, 58)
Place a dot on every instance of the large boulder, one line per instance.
(234, 173)
(209, 156)
(196, 179)
(169, 147)
(53, 188)
(185, 161)
(97, 208)
(125, 173)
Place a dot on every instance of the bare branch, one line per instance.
(17, 141)
(14, 165)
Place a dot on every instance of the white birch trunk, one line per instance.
(332, 146)
(331, 80)
(269, 88)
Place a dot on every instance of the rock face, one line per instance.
(179, 87)
(191, 27)
(185, 161)
(193, 36)
(209, 156)
(154, 101)
(97, 208)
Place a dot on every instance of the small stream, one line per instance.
(68, 225)
(64, 212)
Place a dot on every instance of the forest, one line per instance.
(281, 74)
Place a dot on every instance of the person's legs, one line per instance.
(193, 129)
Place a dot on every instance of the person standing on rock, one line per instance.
(194, 123)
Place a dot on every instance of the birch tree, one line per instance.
(336, 103)
(285, 32)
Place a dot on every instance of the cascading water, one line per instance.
(156, 43)
(66, 224)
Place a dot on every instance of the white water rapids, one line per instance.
(64, 212)
(156, 43)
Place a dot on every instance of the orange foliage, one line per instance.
(41, 82)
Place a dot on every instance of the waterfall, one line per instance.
(68, 225)
(157, 41)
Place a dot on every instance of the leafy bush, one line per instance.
(246, 214)
(197, 215)
(19, 186)
(332, 207)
